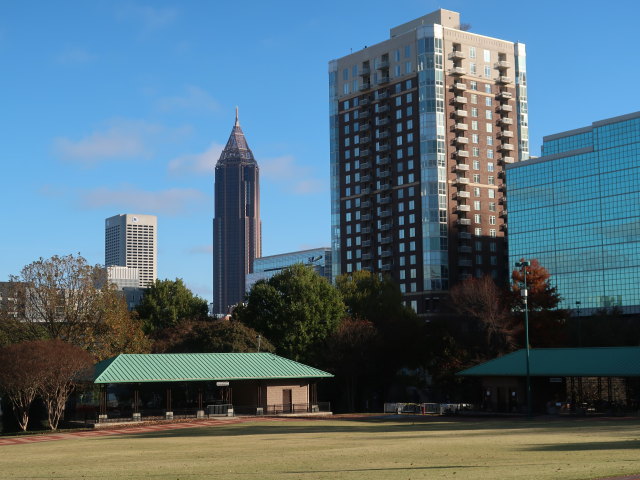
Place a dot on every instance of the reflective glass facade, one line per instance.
(575, 210)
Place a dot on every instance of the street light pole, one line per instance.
(524, 264)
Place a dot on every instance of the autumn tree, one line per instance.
(19, 379)
(546, 321)
(60, 367)
(169, 302)
(482, 302)
(296, 309)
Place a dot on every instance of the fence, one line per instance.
(426, 408)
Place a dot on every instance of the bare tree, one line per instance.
(61, 365)
(19, 379)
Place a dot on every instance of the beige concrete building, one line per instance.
(422, 125)
(131, 241)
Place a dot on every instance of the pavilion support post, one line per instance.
(102, 416)
(137, 416)
(200, 412)
(169, 409)
(259, 405)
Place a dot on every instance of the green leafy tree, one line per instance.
(168, 302)
(211, 336)
(296, 309)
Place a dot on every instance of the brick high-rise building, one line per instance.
(237, 237)
(421, 127)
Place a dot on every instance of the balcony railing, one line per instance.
(463, 221)
(504, 79)
(506, 146)
(462, 153)
(383, 108)
(506, 160)
(456, 55)
(385, 160)
(460, 99)
(383, 64)
(365, 86)
(506, 121)
(461, 167)
(461, 86)
(385, 213)
(505, 134)
(386, 253)
(384, 201)
(364, 114)
(505, 108)
(462, 194)
(461, 126)
(365, 178)
(383, 80)
(462, 181)
(464, 235)
(365, 165)
(384, 174)
(457, 71)
(505, 95)
(463, 208)
(464, 249)
(503, 64)
(383, 135)
(365, 71)
(365, 139)
(462, 140)
(386, 240)
(364, 152)
(463, 262)
(461, 113)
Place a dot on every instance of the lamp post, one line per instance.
(523, 265)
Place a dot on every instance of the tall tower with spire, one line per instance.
(237, 239)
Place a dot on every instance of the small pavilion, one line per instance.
(602, 379)
(138, 386)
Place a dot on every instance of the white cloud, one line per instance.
(74, 55)
(121, 139)
(197, 163)
(174, 201)
(194, 98)
(297, 178)
(151, 18)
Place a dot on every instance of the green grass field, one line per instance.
(374, 448)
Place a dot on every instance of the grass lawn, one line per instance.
(372, 448)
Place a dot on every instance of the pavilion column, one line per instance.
(169, 409)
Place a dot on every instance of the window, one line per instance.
(347, 167)
(489, 140)
(412, 233)
(476, 178)
(472, 68)
(492, 193)
(346, 129)
(487, 71)
(412, 204)
(409, 97)
(492, 246)
(487, 88)
(398, 101)
(474, 98)
(478, 245)
(474, 111)
(407, 51)
(345, 89)
(345, 105)
(487, 56)
(491, 180)
(410, 178)
(399, 138)
(476, 191)
(409, 124)
(397, 72)
(492, 220)
(409, 137)
(409, 111)
(407, 67)
(474, 138)
(476, 164)
(346, 117)
(402, 274)
(412, 218)
(476, 204)
(476, 218)
(489, 127)
(492, 232)
(407, 84)
(474, 124)
(398, 115)
(490, 153)
(487, 101)
(476, 151)
(472, 52)
(473, 84)
(478, 232)
(410, 162)
(494, 260)
(400, 220)
(492, 206)
(488, 114)
(412, 259)
(396, 55)
(413, 273)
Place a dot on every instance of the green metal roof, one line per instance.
(179, 367)
(563, 362)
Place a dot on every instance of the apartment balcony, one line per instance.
(462, 194)
(385, 213)
(386, 267)
(385, 227)
(464, 262)
(383, 95)
(383, 121)
(386, 240)
(383, 80)
(460, 99)
(384, 174)
(463, 208)
(502, 188)
(460, 86)
(463, 222)
(367, 256)
(365, 139)
(457, 71)
(461, 126)
(364, 114)
(460, 113)
(462, 140)
(365, 204)
(364, 101)
(464, 249)
(502, 174)
(503, 214)
(365, 178)
(506, 160)
(384, 160)
(461, 167)
(365, 71)
(506, 121)
(505, 108)
(365, 191)
(383, 108)
(383, 135)
(383, 64)
(364, 127)
(365, 165)
(462, 181)
(384, 201)
(366, 243)
(504, 79)
(366, 230)
(384, 148)
(366, 217)
(505, 134)
(507, 147)
(456, 55)
(365, 152)
(502, 64)
(367, 268)
(503, 227)
(385, 186)
(505, 95)
(464, 235)
(365, 86)
(462, 153)
(386, 253)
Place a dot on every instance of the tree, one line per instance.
(547, 323)
(482, 301)
(168, 302)
(211, 336)
(296, 309)
(60, 367)
(19, 379)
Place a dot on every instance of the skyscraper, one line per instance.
(421, 127)
(566, 211)
(236, 227)
(131, 241)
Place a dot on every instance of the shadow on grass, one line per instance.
(585, 446)
(385, 425)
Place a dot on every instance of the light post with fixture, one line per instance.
(523, 265)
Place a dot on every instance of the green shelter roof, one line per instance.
(179, 367)
(563, 362)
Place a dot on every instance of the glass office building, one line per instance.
(266, 267)
(575, 209)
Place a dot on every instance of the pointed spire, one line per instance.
(237, 121)
(236, 149)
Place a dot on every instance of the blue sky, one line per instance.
(114, 107)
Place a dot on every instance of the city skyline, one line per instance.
(125, 107)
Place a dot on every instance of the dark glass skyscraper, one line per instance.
(236, 227)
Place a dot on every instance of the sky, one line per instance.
(110, 107)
